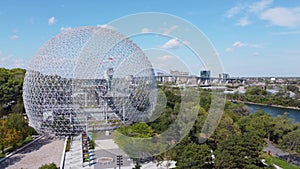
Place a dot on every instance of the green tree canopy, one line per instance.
(49, 166)
(239, 151)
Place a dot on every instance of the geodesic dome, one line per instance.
(83, 72)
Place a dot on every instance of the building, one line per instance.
(224, 77)
(205, 75)
(178, 73)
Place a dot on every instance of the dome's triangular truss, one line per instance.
(88, 74)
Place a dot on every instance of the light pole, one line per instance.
(119, 160)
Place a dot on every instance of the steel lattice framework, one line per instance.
(87, 72)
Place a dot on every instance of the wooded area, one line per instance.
(238, 141)
(14, 129)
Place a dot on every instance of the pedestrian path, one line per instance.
(74, 158)
(107, 148)
(44, 150)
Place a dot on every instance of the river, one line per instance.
(275, 111)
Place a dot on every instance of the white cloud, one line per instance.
(260, 6)
(280, 16)
(14, 37)
(165, 58)
(167, 31)
(51, 20)
(174, 44)
(106, 26)
(255, 45)
(243, 21)
(166, 61)
(234, 10)
(5, 59)
(239, 44)
(287, 33)
(255, 54)
(65, 28)
(8, 61)
(235, 45)
(146, 30)
(228, 49)
(19, 63)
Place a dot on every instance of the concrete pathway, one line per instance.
(73, 158)
(44, 151)
(281, 154)
(274, 150)
(106, 147)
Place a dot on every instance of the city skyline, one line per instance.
(252, 38)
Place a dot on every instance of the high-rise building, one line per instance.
(205, 75)
(224, 76)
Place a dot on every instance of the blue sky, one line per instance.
(252, 38)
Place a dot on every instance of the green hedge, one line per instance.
(68, 146)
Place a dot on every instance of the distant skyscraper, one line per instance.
(205, 75)
(224, 76)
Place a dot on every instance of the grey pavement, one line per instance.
(281, 154)
(74, 157)
(106, 147)
(44, 151)
(274, 150)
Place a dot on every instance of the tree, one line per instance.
(136, 140)
(225, 128)
(194, 156)
(11, 83)
(138, 130)
(13, 129)
(293, 88)
(205, 99)
(3, 140)
(255, 90)
(17, 121)
(12, 137)
(266, 123)
(259, 122)
(239, 151)
(283, 125)
(49, 166)
(292, 141)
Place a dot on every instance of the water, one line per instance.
(275, 111)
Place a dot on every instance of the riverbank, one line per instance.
(262, 104)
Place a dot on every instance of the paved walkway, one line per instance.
(106, 147)
(44, 151)
(74, 156)
(281, 154)
(274, 150)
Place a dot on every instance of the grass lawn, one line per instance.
(2, 155)
(279, 162)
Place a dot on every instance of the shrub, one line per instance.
(49, 166)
